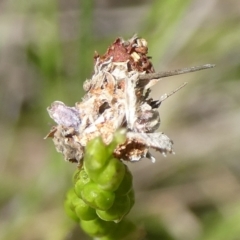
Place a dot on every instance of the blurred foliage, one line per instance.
(46, 52)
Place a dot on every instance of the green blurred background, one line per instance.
(46, 52)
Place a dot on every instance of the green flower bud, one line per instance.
(70, 213)
(97, 227)
(71, 194)
(72, 199)
(111, 177)
(83, 179)
(68, 205)
(96, 197)
(75, 202)
(118, 210)
(126, 184)
(96, 156)
(84, 211)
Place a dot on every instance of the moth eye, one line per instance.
(103, 107)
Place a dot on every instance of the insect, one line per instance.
(117, 96)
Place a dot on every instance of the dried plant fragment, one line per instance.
(117, 96)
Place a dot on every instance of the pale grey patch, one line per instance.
(64, 115)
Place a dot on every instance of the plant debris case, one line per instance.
(115, 98)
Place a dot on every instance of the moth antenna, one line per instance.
(167, 95)
(151, 76)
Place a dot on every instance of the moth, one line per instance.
(117, 96)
